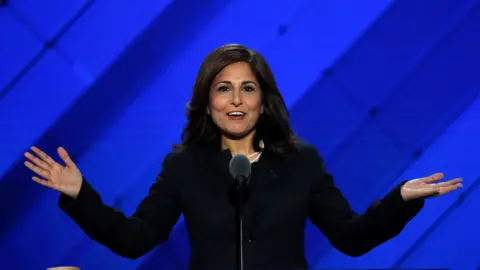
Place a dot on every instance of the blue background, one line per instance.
(387, 91)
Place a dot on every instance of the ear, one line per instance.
(208, 110)
(261, 110)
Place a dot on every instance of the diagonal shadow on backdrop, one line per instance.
(143, 59)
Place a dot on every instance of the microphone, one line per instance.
(240, 169)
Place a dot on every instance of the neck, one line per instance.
(242, 146)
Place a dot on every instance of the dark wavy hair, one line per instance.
(273, 125)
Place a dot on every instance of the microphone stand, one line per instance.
(241, 197)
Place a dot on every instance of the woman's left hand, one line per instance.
(428, 187)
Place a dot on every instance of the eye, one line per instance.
(223, 88)
(248, 88)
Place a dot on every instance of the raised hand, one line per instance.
(66, 179)
(429, 187)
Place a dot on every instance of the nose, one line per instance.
(236, 99)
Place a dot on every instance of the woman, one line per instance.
(236, 108)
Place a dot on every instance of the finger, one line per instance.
(65, 157)
(445, 190)
(42, 172)
(37, 161)
(438, 191)
(42, 155)
(430, 192)
(434, 178)
(448, 183)
(42, 182)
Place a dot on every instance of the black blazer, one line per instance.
(285, 191)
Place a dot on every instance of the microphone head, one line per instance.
(240, 168)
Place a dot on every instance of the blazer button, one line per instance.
(251, 241)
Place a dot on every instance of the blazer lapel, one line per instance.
(218, 161)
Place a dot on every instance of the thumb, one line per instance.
(434, 178)
(65, 157)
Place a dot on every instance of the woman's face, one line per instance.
(235, 100)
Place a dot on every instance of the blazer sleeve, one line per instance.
(349, 232)
(133, 236)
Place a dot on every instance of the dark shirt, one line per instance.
(285, 191)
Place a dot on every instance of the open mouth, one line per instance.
(236, 115)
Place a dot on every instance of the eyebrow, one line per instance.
(243, 83)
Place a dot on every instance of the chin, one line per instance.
(236, 134)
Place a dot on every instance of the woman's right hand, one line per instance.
(66, 179)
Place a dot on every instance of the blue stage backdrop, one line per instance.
(387, 91)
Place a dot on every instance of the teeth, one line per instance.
(236, 113)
